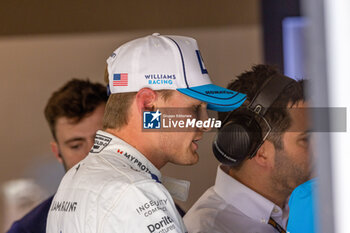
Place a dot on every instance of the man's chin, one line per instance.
(192, 159)
(195, 159)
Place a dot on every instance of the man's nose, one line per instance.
(203, 116)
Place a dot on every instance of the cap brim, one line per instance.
(218, 98)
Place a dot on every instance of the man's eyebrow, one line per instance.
(74, 140)
(200, 103)
(305, 132)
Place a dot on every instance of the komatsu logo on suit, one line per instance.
(65, 206)
(100, 143)
(163, 225)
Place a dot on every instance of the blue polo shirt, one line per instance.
(34, 221)
(303, 209)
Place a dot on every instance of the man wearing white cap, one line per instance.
(118, 187)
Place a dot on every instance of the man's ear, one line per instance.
(55, 150)
(265, 155)
(145, 99)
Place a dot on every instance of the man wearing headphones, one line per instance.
(264, 149)
(118, 187)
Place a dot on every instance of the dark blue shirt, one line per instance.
(34, 221)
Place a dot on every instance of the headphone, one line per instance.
(241, 135)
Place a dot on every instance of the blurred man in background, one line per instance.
(74, 114)
(265, 147)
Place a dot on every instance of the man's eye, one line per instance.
(197, 108)
(306, 138)
(304, 141)
(75, 147)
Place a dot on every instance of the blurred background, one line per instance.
(43, 44)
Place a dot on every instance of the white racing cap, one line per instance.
(167, 63)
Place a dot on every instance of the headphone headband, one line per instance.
(269, 92)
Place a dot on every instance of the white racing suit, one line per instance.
(114, 189)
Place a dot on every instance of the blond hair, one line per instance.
(118, 105)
